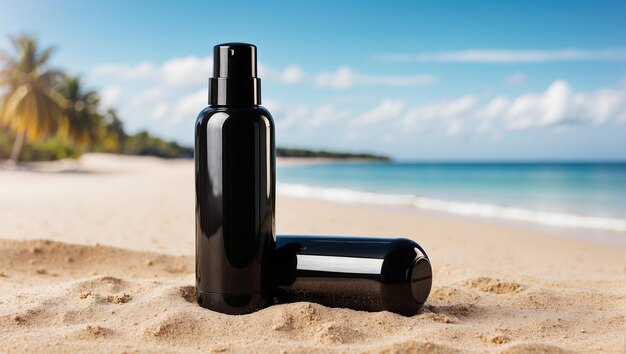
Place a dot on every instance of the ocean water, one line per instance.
(581, 196)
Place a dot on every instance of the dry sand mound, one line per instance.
(63, 297)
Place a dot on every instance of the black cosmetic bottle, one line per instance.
(361, 273)
(235, 187)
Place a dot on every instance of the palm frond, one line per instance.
(44, 56)
(7, 58)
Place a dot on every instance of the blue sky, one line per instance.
(416, 80)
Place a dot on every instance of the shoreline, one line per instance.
(593, 236)
(536, 219)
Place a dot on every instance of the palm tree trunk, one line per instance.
(17, 147)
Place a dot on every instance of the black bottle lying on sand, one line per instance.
(361, 273)
(235, 187)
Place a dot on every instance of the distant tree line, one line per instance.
(287, 152)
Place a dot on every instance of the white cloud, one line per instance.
(454, 127)
(387, 109)
(440, 110)
(509, 56)
(545, 109)
(110, 96)
(495, 107)
(148, 97)
(156, 104)
(328, 114)
(293, 74)
(344, 77)
(387, 138)
(188, 107)
(183, 71)
(557, 105)
(289, 116)
(142, 71)
(265, 72)
(286, 116)
(515, 79)
(604, 106)
(187, 71)
(159, 112)
(272, 105)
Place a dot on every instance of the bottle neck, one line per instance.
(234, 91)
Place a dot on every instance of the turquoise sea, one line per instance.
(582, 196)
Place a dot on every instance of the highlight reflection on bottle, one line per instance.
(235, 187)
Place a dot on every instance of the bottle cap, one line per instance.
(234, 81)
(421, 279)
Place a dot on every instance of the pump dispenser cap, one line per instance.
(234, 81)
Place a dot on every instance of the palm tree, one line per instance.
(82, 124)
(113, 136)
(29, 105)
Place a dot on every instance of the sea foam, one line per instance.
(455, 207)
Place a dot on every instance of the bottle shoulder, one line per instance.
(234, 112)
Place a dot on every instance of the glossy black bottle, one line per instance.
(235, 187)
(361, 273)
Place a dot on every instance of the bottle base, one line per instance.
(233, 304)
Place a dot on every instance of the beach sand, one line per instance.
(98, 257)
